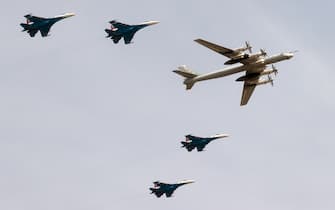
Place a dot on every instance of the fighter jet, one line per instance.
(255, 66)
(119, 30)
(35, 24)
(160, 188)
(191, 142)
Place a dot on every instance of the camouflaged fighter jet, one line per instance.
(119, 30)
(161, 188)
(191, 142)
(35, 24)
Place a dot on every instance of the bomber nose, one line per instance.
(289, 55)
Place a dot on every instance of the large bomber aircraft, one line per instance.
(161, 188)
(35, 24)
(254, 66)
(191, 142)
(119, 30)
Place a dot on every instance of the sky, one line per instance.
(87, 124)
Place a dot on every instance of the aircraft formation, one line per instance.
(254, 66)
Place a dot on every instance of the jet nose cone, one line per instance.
(221, 135)
(67, 15)
(187, 181)
(149, 23)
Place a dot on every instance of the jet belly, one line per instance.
(220, 73)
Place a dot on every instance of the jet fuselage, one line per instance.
(168, 189)
(119, 30)
(45, 23)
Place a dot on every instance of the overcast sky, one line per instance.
(87, 124)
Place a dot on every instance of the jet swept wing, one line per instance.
(128, 37)
(45, 30)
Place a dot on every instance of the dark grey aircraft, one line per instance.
(35, 24)
(161, 188)
(192, 142)
(119, 30)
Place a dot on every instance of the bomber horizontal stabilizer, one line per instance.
(185, 72)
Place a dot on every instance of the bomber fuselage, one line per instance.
(258, 66)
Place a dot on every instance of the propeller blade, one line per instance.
(263, 52)
(275, 70)
(270, 80)
(248, 46)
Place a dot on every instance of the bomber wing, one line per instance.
(217, 48)
(247, 92)
(248, 88)
(229, 53)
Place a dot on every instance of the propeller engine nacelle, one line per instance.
(274, 71)
(249, 77)
(262, 82)
(237, 59)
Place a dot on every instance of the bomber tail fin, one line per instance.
(187, 74)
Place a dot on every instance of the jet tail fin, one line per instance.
(187, 74)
